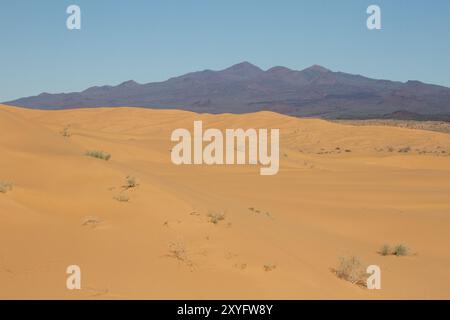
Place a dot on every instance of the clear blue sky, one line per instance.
(152, 40)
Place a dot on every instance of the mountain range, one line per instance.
(313, 92)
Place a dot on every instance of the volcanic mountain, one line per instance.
(241, 88)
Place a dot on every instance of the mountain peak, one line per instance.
(317, 68)
(129, 83)
(244, 68)
(279, 69)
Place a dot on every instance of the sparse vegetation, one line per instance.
(269, 267)
(65, 132)
(178, 251)
(257, 211)
(401, 250)
(5, 186)
(98, 154)
(241, 266)
(404, 150)
(130, 182)
(216, 217)
(351, 269)
(385, 250)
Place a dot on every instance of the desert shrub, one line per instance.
(269, 267)
(130, 182)
(5, 186)
(404, 150)
(65, 132)
(216, 217)
(98, 154)
(178, 251)
(351, 269)
(385, 250)
(401, 250)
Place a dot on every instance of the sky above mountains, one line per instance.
(152, 41)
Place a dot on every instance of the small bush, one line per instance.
(98, 154)
(65, 132)
(385, 250)
(216, 217)
(352, 270)
(130, 182)
(269, 267)
(401, 250)
(178, 251)
(5, 186)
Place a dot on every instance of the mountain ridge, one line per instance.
(312, 92)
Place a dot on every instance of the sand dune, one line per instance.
(341, 190)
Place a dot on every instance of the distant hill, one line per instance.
(313, 92)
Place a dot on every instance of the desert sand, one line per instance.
(341, 190)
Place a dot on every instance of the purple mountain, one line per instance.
(315, 91)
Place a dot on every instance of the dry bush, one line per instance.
(269, 267)
(404, 150)
(385, 250)
(351, 269)
(131, 182)
(401, 250)
(98, 154)
(178, 251)
(216, 217)
(65, 132)
(5, 186)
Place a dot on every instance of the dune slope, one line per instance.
(342, 190)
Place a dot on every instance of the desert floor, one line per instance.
(342, 190)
